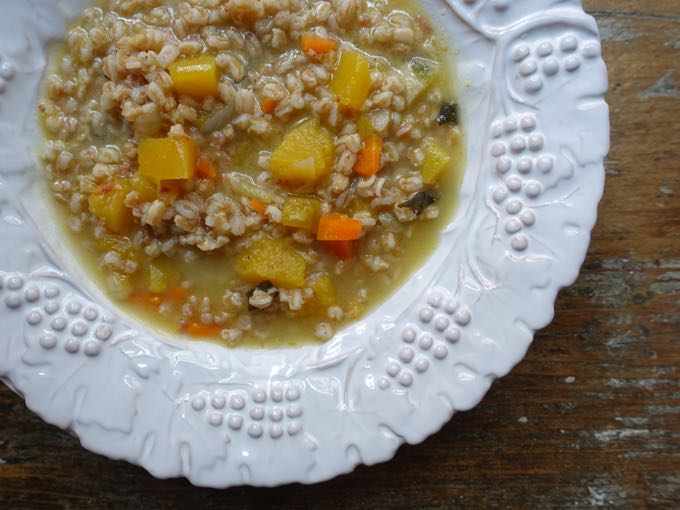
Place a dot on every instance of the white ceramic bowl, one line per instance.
(532, 82)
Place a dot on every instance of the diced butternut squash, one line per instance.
(107, 203)
(196, 77)
(159, 276)
(368, 161)
(339, 227)
(435, 162)
(352, 79)
(325, 296)
(273, 260)
(301, 212)
(167, 159)
(146, 189)
(324, 290)
(305, 155)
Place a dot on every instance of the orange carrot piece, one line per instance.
(318, 44)
(177, 293)
(205, 168)
(339, 227)
(343, 250)
(202, 330)
(269, 106)
(368, 162)
(147, 299)
(257, 206)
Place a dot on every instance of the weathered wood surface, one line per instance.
(591, 417)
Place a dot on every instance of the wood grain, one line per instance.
(591, 417)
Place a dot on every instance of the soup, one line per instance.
(257, 172)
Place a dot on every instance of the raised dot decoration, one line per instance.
(518, 168)
(13, 300)
(426, 315)
(32, 294)
(7, 73)
(261, 412)
(34, 318)
(235, 421)
(548, 57)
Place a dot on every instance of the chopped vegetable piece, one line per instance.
(324, 290)
(269, 106)
(147, 299)
(305, 155)
(301, 212)
(420, 75)
(352, 79)
(244, 185)
(435, 161)
(178, 294)
(206, 169)
(273, 260)
(422, 69)
(159, 276)
(365, 127)
(420, 201)
(198, 329)
(146, 189)
(343, 250)
(448, 114)
(196, 77)
(368, 161)
(267, 287)
(358, 205)
(318, 44)
(107, 203)
(167, 159)
(257, 206)
(339, 227)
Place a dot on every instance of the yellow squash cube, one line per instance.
(146, 189)
(196, 77)
(435, 162)
(160, 275)
(301, 212)
(107, 203)
(272, 260)
(352, 79)
(305, 155)
(167, 159)
(324, 290)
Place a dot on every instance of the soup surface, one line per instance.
(257, 172)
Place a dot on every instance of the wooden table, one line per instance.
(590, 418)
